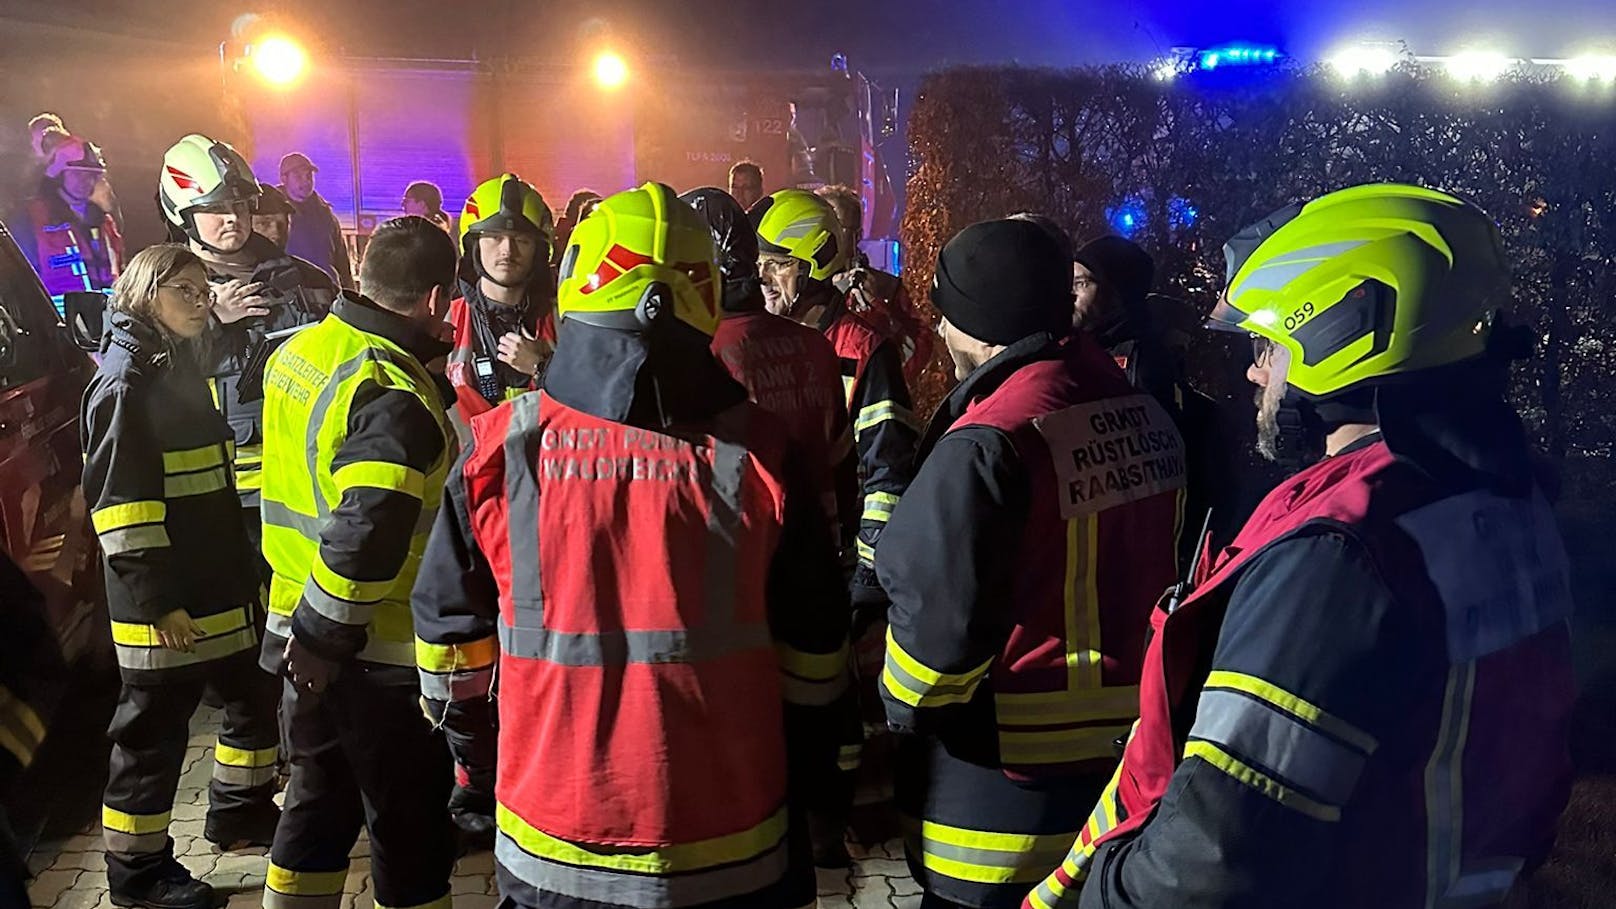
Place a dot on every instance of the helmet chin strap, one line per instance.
(1299, 440)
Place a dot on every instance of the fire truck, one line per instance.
(373, 126)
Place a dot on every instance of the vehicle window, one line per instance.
(28, 321)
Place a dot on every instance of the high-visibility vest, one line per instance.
(855, 342)
(309, 387)
(1467, 794)
(73, 256)
(641, 759)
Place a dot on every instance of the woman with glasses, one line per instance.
(182, 585)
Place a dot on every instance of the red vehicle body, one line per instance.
(44, 524)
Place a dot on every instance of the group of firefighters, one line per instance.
(618, 549)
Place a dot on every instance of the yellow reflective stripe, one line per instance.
(1120, 702)
(1294, 705)
(1060, 746)
(137, 634)
(918, 685)
(380, 475)
(878, 506)
(866, 552)
(680, 857)
(231, 756)
(1256, 779)
(128, 514)
(134, 824)
(987, 857)
(1444, 785)
(1082, 616)
(361, 592)
(21, 730)
(478, 654)
(193, 459)
(873, 415)
(305, 883)
(813, 667)
(196, 484)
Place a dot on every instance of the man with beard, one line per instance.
(1365, 700)
(207, 192)
(504, 325)
(316, 234)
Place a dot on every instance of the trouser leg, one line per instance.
(833, 802)
(240, 805)
(320, 823)
(149, 732)
(404, 773)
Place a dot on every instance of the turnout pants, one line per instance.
(149, 732)
(362, 754)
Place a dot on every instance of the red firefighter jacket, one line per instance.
(1364, 703)
(475, 371)
(791, 371)
(73, 254)
(1022, 566)
(665, 600)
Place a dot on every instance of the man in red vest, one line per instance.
(73, 243)
(1365, 700)
(504, 325)
(1022, 565)
(876, 296)
(662, 587)
(788, 368)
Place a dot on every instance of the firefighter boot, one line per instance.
(172, 888)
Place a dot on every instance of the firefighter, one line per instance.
(1022, 565)
(356, 449)
(1111, 279)
(788, 368)
(73, 242)
(1366, 698)
(208, 192)
(685, 609)
(799, 251)
(504, 325)
(876, 296)
(182, 587)
(802, 249)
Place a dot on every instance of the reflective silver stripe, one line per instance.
(335, 608)
(129, 539)
(391, 653)
(1444, 786)
(724, 512)
(522, 497)
(152, 658)
(460, 685)
(135, 843)
(642, 891)
(1257, 731)
(277, 514)
(243, 776)
(1317, 253)
(327, 397)
(1280, 271)
(1483, 886)
(621, 648)
(1032, 861)
(179, 486)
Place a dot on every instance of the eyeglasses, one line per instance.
(770, 267)
(1262, 351)
(191, 294)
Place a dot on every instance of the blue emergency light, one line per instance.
(1238, 55)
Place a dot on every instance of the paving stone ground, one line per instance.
(71, 873)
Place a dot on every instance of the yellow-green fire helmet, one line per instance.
(797, 223)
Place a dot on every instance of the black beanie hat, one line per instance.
(1121, 265)
(1000, 281)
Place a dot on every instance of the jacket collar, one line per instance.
(144, 342)
(628, 377)
(985, 380)
(359, 312)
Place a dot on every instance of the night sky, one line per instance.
(892, 37)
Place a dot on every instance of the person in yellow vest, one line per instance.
(356, 450)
